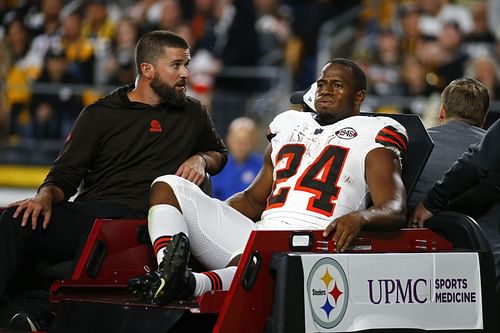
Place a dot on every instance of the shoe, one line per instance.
(172, 280)
(24, 322)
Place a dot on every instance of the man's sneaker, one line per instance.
(22, 321)
(172, 280)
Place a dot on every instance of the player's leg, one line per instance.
(214, 232)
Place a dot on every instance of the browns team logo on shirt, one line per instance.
(155, 126)
(346, 133)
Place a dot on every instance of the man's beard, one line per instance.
(167, 93)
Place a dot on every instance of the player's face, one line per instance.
(336, 96)
(171, 74)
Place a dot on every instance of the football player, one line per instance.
(332, 170)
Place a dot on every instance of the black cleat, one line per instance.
(24, 322)
(144, 287)
(172, 280)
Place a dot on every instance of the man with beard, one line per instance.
(320, 171)
(117, 146)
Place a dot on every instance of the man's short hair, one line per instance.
(359, 74)
(467, 99)
(152, 45)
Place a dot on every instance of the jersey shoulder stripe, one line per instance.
(391, 136)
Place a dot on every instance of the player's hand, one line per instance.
(193, 169)
(419, 216)
(343, 230)
(32, 208)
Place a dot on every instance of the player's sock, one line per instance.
(219, 279)
(164, 221)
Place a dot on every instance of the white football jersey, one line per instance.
(319, 171)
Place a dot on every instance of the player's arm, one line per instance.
(383, 176)
(252, 201)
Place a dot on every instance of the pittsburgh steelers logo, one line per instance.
(328, 292)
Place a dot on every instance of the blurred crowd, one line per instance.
(56, 56)
(415, 48)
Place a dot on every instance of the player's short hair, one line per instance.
(467, 99)
(152, 45)
(359, 74)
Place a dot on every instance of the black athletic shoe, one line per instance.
(172, 280)
(22, 321)
(144, 287)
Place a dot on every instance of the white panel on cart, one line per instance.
(431, 291)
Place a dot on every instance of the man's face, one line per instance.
(336, 95)
(171, 74)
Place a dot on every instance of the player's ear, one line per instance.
(360, 96)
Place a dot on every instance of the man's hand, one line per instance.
(40, 204)
(419, 216)
(345, 229)
(33, 207)
(193, 169)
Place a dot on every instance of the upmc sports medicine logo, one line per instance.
(328, 292)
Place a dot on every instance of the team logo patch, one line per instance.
(155, 126)
(328, 292)
(346, 133)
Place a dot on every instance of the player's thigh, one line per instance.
(217, 232)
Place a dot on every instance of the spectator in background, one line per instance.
(452, 57)
(463, 110)
(309, 17)
(410, 34)
(96, 23)
(184, 30)
(18, 71)
(99, 29)
(54, 112)
(437, 13)
(414, 85)
(443, 56)
(79, 50)
(144, 12)
(170, 17)
(481, 31)
(383, 71)
(232, 42)
(243, 162)
(120, 67)
(273, 27)
(414, 82)
(485, 69)
(46, 20)
(202, 18)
